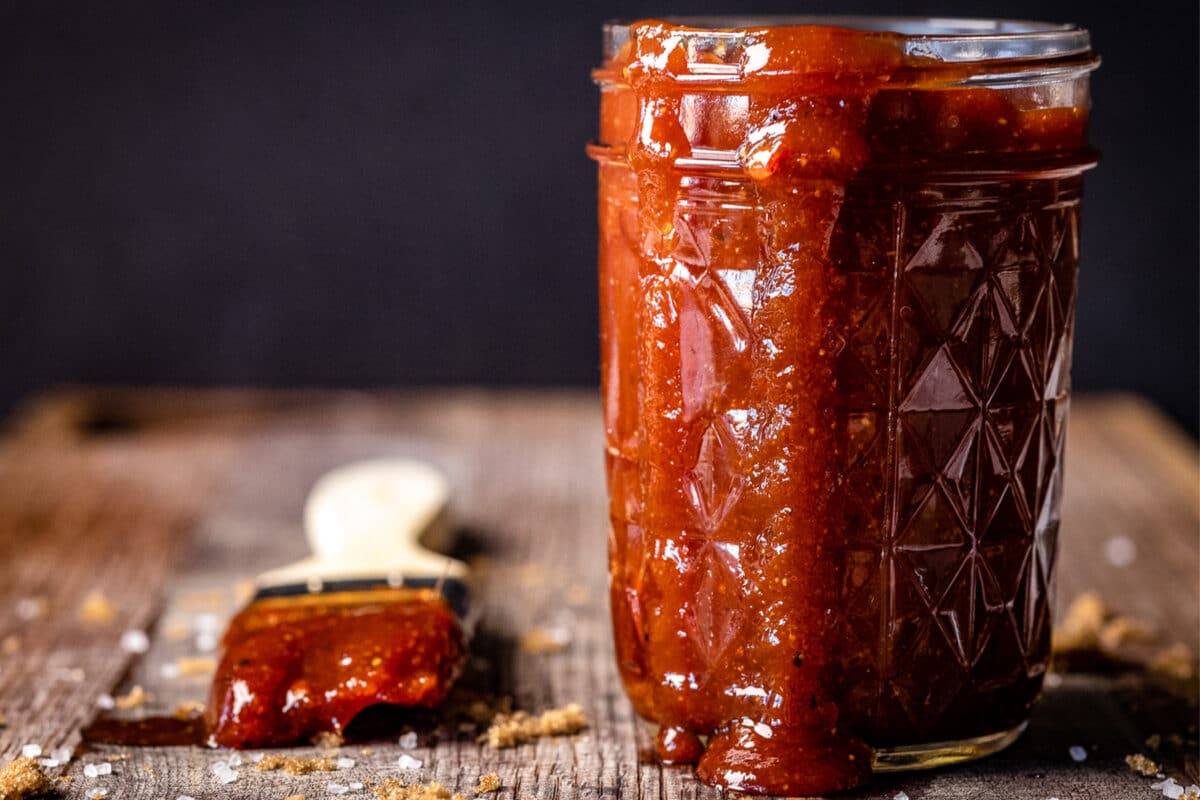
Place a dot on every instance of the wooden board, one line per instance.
(167, 501)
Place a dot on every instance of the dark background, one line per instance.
(396, 193)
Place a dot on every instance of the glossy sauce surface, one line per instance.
(294, 667)
(733, 416)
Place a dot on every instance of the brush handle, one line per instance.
(367, 519)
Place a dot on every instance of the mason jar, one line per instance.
(838, 267)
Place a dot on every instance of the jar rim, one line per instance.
(946, 39)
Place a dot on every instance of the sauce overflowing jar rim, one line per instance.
(999, 52)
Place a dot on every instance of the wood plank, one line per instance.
(166, 500)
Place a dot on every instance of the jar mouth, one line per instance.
(948, 40)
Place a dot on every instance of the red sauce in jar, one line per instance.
(745, 387)
(297, 666)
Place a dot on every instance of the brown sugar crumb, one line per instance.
(1081, 626)
(1154, 741)
(23, 778)
(11, 645)
(328, 740)
(189, 710)
(394, 789)
(136, 698)
(1175, 661)
(295, 797)
(487, 783)
(96, 609)
(295, 766)
(544, 640)
(510, 730)
(196, 665)
(203, 600)
(177, 631)
(1142, 765)
(578, 595)
(1121, 631)
(483, 711)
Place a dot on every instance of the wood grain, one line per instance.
(166, 501)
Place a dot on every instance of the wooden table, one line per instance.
(165, 502)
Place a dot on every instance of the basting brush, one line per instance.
(371, 617)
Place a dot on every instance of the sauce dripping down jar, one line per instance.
(837, 277)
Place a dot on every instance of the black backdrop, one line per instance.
(396, 193)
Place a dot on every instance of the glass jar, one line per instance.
(837, 277)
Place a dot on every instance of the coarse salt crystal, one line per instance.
(1169, 788)
(61, 755)
(356, 786)
(89, 771)
(257, 757)
(206, 642)
(49, 763)
(223, 772)
(98, 792)
(234, 760)
(206, 622)
(106, 702)
(1078, 753)
(1121, 551)
(344, 763)
(104, 768)
(135, 641)
(170, 670)
(408, 762)
(901, 796)
(31, 751)
(336, 788)
(185, 797)
(409, 740)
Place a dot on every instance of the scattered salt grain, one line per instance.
(206, 641)
(1121, 551)
(900, 796)
(106, 702)
(257, 757)
(208, 623)
(170, 670)
(409, 740)
(224, 773)
(185, 797)
(104, 768)
(1170, 789)
(98, 792)
(336, 788)
(408, 762)
(1078, 753)
(355, 786)
(48, 763)
(89, 771)
(344, 763)
(135, 641)
(30, 608)
(31, 751)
